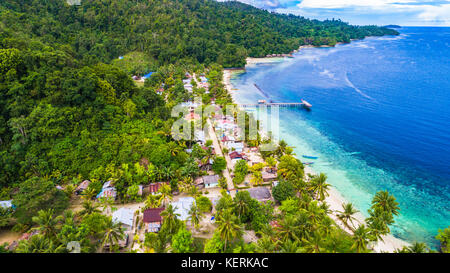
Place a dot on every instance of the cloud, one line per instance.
(379, 12)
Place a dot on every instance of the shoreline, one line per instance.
(335, 199)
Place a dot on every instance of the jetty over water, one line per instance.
(279, 104)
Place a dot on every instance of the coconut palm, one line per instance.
(228, 227)
(346, 215)
(312, 244)
(266, 244)
(107, 204)
(47, 223)
(319, 186)
(89, 208)
(415, 248)
(240, 204)
(315, 213)
(173, 148)
(377, 229)
(165, 192)
(38, 244)
(114, 232)
(290, 247)
(360, 239)
(170, 218)
(152, 201)
(289, 229)
(195, 215)
(89, 193)
(385, 202)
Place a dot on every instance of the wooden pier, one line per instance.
(280, 104)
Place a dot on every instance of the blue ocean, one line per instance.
(380, 120)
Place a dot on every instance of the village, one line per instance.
(221, 138)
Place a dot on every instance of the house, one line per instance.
(260, 193)
(211, 181)
(183, 206)
(6, 204)
(83, 186)
(235, 155)
(125, 217)
(207, 166)
(268, 176)
(154, 187)
(235, 146)
(199, 183)
(270, 169)
(152, 219)
(108, 191)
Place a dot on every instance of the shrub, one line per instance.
(204, 204)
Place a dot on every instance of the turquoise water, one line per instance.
(380, 120)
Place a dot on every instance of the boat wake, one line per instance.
(350, 84)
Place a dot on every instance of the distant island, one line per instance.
(392, 26)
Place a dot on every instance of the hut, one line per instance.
(152, 219)
(125, 217)
(83, 186)
(260, 193)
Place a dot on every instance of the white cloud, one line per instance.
(437, 14)
(334, 4)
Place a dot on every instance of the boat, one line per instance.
(310, 157)
(307, 163)
(306, 104)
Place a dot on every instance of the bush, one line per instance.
(219, 165)
(204, 204)
(284, 190)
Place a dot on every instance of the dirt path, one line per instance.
(218, 150)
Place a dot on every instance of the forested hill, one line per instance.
(202, 31)
(68, 112)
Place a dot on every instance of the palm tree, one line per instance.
(153, 201)
(47, 224)
(193, 191)
(107, 204)
(347, 215)
(89, 193)
(195, 215)
(315, 213)
(319, 186)
(385, 202)
(360, 239)
(227, 227)
(166, 193)
(173, 148)
(289, 229)
(377, 229)
(415, 248)
(312, 244)
(170, 218)
(114, 232)
(241, 205)
(38, 244)
(89, 207)
(266, 244)
(290, 247)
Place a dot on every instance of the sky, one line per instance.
(365, 12)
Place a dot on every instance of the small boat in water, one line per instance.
(310, 157)
(307, 163)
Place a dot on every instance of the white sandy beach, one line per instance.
(335, 200)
